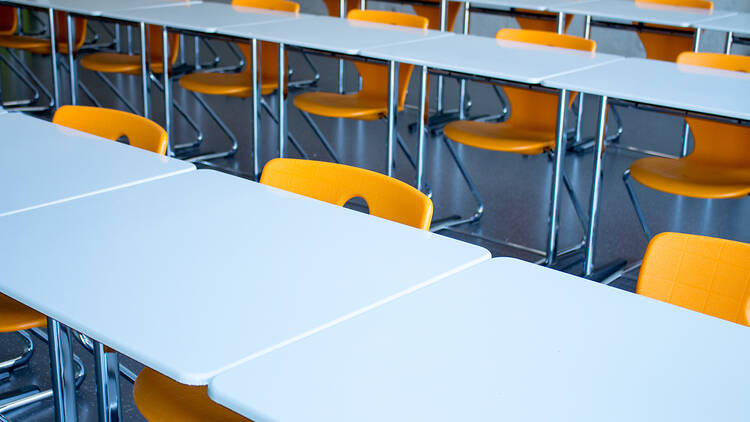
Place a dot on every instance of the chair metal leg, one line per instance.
(10, 365)
(307, 82)
(37, 82)
(297, 146)
(636, 204)
(183, 113)
(224, 128)
(447, 223)
(320, 135)
(25, 81)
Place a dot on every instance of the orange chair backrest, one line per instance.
(336, 184)
(718, 143)
(549, 25)
(661, 46)
(333, 6)
(114, 124)
(432, 13)
(61, 32)
(269, 52)
(704, 274)
(155, 44)
(8, 20)
(533, 110)
(375, 76)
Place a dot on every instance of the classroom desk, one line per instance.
(505, 340)
(732, 25)
(272, 267)
(703, 91)
(343, 37)
(87, 8)
(497, 61)
(68, 164)
(622, 14)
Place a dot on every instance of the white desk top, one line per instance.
(196, 273)
(203, 17)
(624, 10)
(690, 88)
(485, 56)
(739, 23)
(340, 35)
(97, 7)
(42, 163)
(504, 341)
(538, 5)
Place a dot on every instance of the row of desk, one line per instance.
(292, 309)
(710, 93)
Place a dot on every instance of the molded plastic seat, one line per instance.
(114, 124)
(530, 129)
(159, 398)
(719, 165)
(371, 102)
(704, 274)
(130, 64)
(15, 316)
(42, 45)
(8, 20)
(240, 84)
(661, 46)
(336, 184)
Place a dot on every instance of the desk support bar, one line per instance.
(588, 267)
(61, 362)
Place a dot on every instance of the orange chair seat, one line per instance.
(117, 63)
(232, 84)
(500, 137)
(692, 178)
(348, 106)
(161, 399)
(23, 42)
(17, 316)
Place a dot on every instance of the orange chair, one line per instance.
(39, 45)
(661, 46)
(530, 129)
(371, 102)
(718, 166)
(541, 24)
(161, 399)
(114, 124)
(240, 84)
(8, 20)
(704, 274)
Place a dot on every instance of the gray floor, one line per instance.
(514, 188)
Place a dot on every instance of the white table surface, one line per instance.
(42, 163)
(539, 5)
(339, 35)
(196, 273)
(504, 341)
(739, 23)
(203, 17)
(661, 83)
(97, 7)
(625, 10)
(485, 56)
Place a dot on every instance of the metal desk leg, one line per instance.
(167, 89)
(557, 172)
(421, 125)
(61, 362)
(686, 130)
(392, 110)
(72, 60)
(118, 38)
(363, 4)
(53, 58)
(462, 86)
(107, 384)
(561, 23)
(130, 39)
(254, 66)
(588, 267)
(282, 100)
(145, 69)
(441, 80)
(342, 15)
(197, 53)
(579, 117)
(728, 43)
